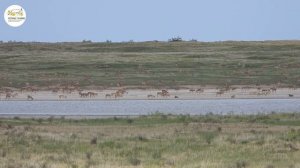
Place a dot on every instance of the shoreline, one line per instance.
(115, 94)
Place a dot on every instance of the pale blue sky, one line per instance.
(142, 20)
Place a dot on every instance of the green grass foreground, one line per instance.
(150, 64)
(210, 141)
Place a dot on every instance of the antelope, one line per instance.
(84, 95)
(159, 94)
(118, 94)
(192, 90)
(55, 90)
(14, 95)
(164, 91)
(163, 94)
(121, 91)
(151, 97)
(199, 90)
(107, 96)
(219, 93)
(273, 89)
(8, 95)
(62, 96)
(29, 97)
(266, 91)
(92, 94)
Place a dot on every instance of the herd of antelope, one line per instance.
(62, 92)
(11, 94)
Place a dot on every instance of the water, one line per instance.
(144, 107)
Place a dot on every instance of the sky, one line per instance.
(145, 20)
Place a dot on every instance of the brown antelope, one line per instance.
(14, 95)
(159, 94)
(266, 91)
(108, 96)
(151, 96)
(55, 90)
(83, 95)
(121, 91)
(118, 94)
(234, 88)
(92, 94)
(164, 91)
(199, 90)
(8, 95)
(273, 89)
(29, 97)
(166, 95)
(62, 96)
(163, 94)
(219, 93)
(192, 90)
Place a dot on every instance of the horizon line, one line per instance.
(147, 41)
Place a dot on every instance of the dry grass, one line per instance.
(153, 141)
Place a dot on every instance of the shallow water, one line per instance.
(144, 107)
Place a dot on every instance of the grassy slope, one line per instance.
(153, 141)
(151, 63)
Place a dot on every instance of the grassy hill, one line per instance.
(153, 64)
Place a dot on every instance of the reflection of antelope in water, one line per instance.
(29, 97)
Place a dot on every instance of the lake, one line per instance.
(145, 107)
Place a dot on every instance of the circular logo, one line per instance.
(15, 15)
